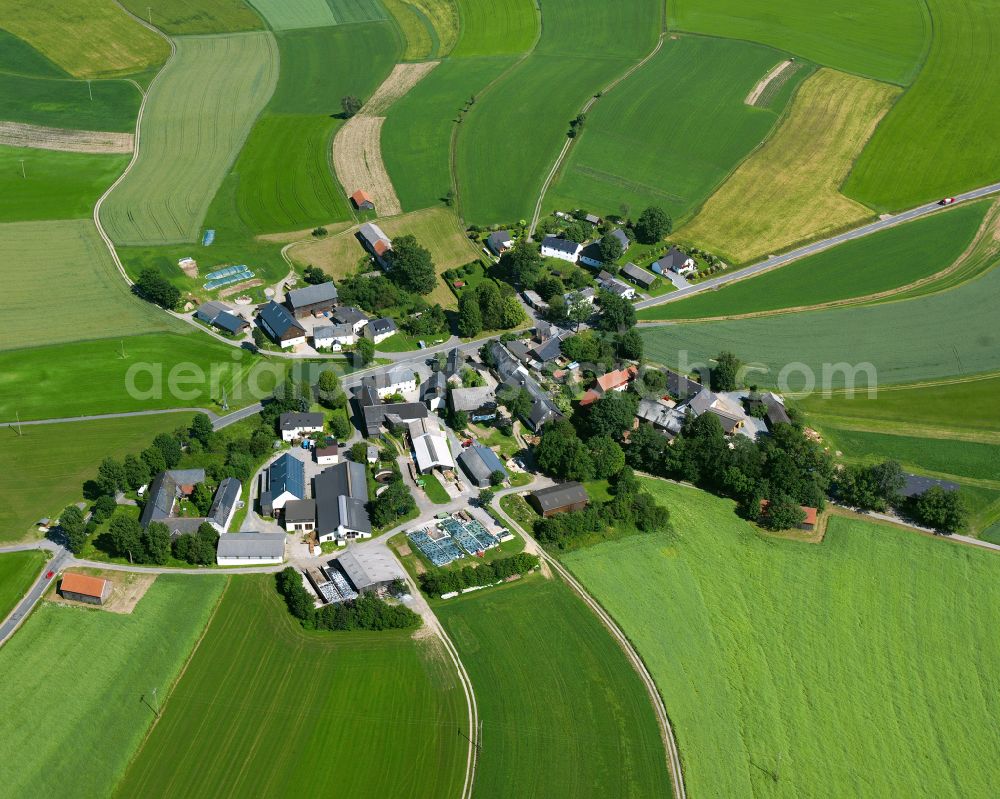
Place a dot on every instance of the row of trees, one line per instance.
(443, 581)
(367, 612)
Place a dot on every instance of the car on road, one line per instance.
(49, 574)
(946, 201)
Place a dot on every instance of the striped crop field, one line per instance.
(789, 189)
(940, 138)
(287, 712)
(179, 17)
(860, 666)
(695, 88)
(499, 27)
(293, 14)
(950, 334)
(199, 112)
(86, 38)
(513, 134)
(84, 296)
(117, 659)
(429, 27)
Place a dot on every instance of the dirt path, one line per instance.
(762, 84)
(357, 147)
(18, 134)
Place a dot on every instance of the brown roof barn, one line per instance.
(559, 499)
(82, 588)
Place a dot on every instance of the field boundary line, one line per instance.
(638, 664)
(586, 107)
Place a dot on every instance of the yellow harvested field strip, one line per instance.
(39, 137)
(357, 159)
(789, 189)
(402, 78)
(763, 83)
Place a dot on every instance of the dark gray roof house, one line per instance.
(224, 503)
(434, 390)
(235, 547)
(674, 260)
(279, 323)
(561, 245)
(499, 241)
(298, 420)
(373, 413)
(348, 315)
(380, 327)
(341, 492)
(300, 511)
(471, 399)
(220, 315)
(548, 350)
(680, 387)
(304, 301)
(559, 498)
(622, 237)
(479, 463)
(638, 275)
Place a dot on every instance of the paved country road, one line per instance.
(27, 603)
(818, 246)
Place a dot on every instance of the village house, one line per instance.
(327, 455)
(295, 424)
(499, 242)
(300, 515)
(349, 315)
(677, 261)
(617, 380)
(478, 402)
(378, 330)
(280, 325)
(638, 275)
(311, 300)
(591, 254)
(341, 493)
(373, 413)
(334, 337)
(563, 249)
(729, 412)
(610, 283)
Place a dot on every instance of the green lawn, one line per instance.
(496, 28)
(289, 713)
(54, 461)
(694, 88)
(46, 184)
(92, 377)
(563, 713)
(85, 297)
(863, 666)
(87, 670)
(880, 262)
(67, 103)
(849, 36)
(932, 337)
(179, 17)
(199, 113)
(434, 490)
(510, 139)
(937, 141)
(18, 571)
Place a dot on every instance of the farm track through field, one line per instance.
(763, 83)
(569, 141)
(666, 729)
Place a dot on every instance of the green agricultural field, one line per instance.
(929, 338)
(92, 377)
(293, 14)
(84, 295)
(199, 112)
(673, 130)
(938, 141)
(18, 571)
(881, 262)
(789, 189)
(512, 136)
(972, 404)
(55, 460)
(850, 36)
(67, 103)
(548, 677)
(417, 134)
(257, 670)
(500, 27)
(20, 58)
(86, 38)
(429, 27)
(180, 17)
(117, 660)
(46, 184)
(792, 669)
(940, 456)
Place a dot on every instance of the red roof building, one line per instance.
(83, 588)
(362, 200)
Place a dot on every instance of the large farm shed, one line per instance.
(250, 549)
(83, 588)
(559, 499)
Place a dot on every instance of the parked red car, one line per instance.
(49, 575)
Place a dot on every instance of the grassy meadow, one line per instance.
(86, 38)
(54, 461)
(47, 184)
(563, 713)
(66, 103)
(951, 334)
(509, 140)
(502, 27)
(862, 666)
(18, 571)
(430, 28)
(199, 113)
(788, 190)
(117, 660)
(287, 712)
(881, 262)
(84, 298)
(849, 36)
(938, 140)
(180, 17)
(673, 130)
(295, 14)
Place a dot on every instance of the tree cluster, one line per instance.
(876, 487)
(653, 224)
(197, 548)
(154, 287)
(488, 307)
(941, 510)
(617, 313)
(411, 266)
(367, 612)
(436, 582)
(522, 265)
(396, 502)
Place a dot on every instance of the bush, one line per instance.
(441, 581)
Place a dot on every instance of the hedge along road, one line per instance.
(815, 247)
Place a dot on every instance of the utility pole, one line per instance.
(156, 704)
(90, 91)
(225, 402)
(149, 12)
(23, 173)
(17, 415)
(123, 349)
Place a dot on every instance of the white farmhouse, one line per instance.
(563, 249)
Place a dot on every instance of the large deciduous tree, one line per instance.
(411, 265)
